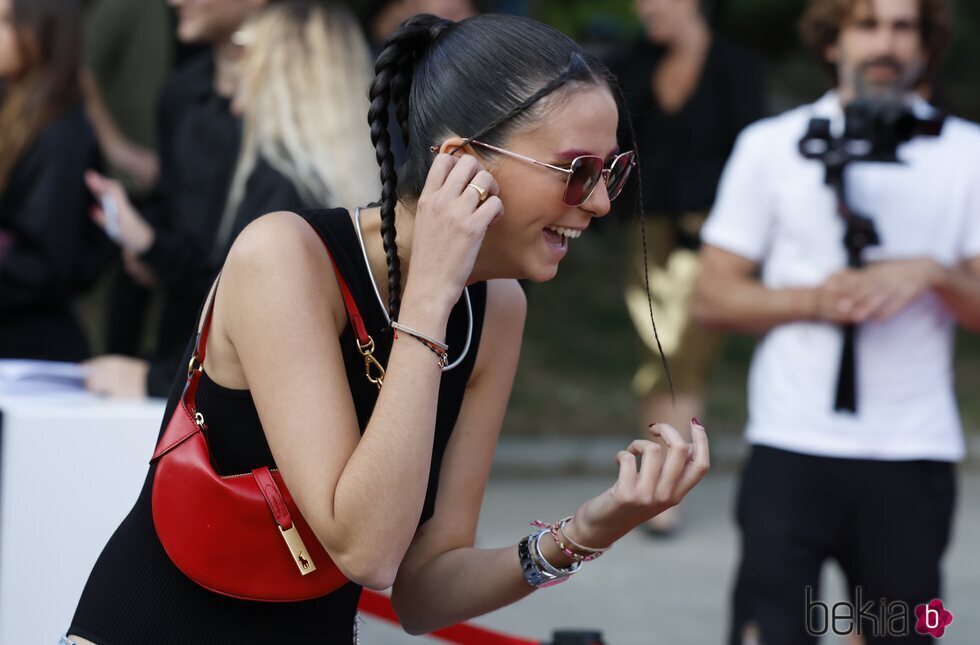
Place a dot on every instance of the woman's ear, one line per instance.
(456, 146)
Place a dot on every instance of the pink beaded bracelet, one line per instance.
(557, 533)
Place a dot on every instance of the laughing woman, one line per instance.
(512, 152)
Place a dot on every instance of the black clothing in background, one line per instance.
(135, 594)
(795, 511)
(199, 144)
(682, 154)
(51, 249)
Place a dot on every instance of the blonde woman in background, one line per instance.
(302, 96)
(302, 84)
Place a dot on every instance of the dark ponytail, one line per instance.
(392, 84)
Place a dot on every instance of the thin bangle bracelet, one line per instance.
(546, 566)
(414, 332)
(441, 354)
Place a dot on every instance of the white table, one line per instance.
(71, 466)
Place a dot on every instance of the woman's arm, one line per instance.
(443, 579)
(362, 495)
(435, 581)
(728, 295)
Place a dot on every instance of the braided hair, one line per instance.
(480, 78)
(392, 84)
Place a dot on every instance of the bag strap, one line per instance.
(364, 341)
(175, 435)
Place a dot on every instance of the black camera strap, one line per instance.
(872, 132)
(859, 234)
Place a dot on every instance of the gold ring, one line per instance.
(484, 193)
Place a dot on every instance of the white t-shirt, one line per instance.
(774, 208)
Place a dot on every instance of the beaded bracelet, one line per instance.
(557, 533)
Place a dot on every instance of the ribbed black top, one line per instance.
(135, 595)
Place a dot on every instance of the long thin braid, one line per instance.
(618, 93)
(392, 84)
(401, 87)
(380, 95)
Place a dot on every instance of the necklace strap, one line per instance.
(384, 309)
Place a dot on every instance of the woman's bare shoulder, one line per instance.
(278, 235)
(277, 264)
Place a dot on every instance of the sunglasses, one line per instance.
(583, 173)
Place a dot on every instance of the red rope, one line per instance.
(379, 605)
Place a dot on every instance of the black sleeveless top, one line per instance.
(135, 594)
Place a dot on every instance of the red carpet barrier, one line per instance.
(379, 605)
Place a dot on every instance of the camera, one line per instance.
(873, 131)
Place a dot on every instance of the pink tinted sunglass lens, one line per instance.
(586, 172)
(619, 173)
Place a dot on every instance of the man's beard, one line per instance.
(906, 78)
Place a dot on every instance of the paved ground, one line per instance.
(670, 592)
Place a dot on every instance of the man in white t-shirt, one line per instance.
(871, 489)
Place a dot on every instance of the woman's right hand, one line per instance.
(450, 223)
(662, 479)
(129, 230)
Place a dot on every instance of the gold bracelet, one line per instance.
(582, 547)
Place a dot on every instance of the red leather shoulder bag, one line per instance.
(239, 535)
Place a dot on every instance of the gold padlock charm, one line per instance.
(296, 547)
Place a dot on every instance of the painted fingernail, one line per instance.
(696, 422)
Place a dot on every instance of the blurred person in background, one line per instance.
(381, 17)
(874, 489)
(302, 97)
(169, 245)
(690, 92)
(128, 52)
(49, 248)
(301, 92)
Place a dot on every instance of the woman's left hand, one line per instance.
(116, 376)
(122, 224)
(661, 480)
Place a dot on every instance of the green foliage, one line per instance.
(769, 28)
(580, 18)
